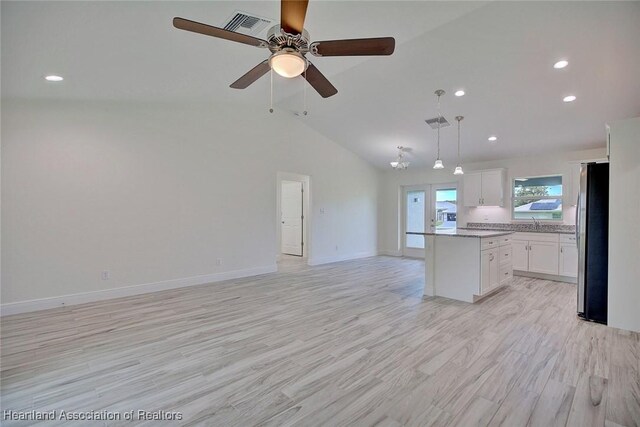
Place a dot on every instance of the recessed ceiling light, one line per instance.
(54, 78)
(560, 64)
(459, 93)
(569, 98)
(493, 138)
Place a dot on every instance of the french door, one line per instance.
(426, 207)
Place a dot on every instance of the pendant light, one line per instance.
(400, 164)
(438, 163)
(458, 170)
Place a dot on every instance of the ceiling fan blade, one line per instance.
(252, 75)
(292, 14)
(319, 81)
(208, 30)
(354, 47)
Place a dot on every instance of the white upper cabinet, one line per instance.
(472, 188)
(484, 188)
(493, 188)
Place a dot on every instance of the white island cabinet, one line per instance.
(466, 265)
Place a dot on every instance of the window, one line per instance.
(538, 197)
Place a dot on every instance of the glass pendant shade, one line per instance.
(438, 164)
(458, 170)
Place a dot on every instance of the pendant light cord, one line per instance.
(304, 92)
(439, 117)
(271, 97)
(459, 142)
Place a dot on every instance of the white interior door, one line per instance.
(291, 217)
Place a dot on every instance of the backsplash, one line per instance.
(523, 227)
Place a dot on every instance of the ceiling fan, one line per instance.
(289, 43)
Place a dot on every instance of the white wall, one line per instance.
(157, 193)
(624, 226)
(389, 227)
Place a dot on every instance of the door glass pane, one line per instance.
(415, 218)
(446, 208)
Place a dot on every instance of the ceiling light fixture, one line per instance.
(459, 93)
(400, 164)
(288, 63)
(569, 98)
(53, 78)
(493, 138)
(458, 170)
(560, 64)
(438, 163)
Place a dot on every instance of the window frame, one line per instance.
(514, 197)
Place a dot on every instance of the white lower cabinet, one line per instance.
(568, 260)
(495, 264)
(520, 256)
(545, 253)
(489, 268)
(543, 257)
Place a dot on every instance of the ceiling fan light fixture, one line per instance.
(288, 63)
(400, 163)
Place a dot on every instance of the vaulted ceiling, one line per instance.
(500, 53)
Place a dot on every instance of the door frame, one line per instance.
(306, 212)
(430, 212)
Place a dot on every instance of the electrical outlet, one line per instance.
(106, 275)
(321, 210)
(219, 261)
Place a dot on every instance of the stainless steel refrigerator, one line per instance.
(592, 238)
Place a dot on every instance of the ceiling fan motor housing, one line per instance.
(279, 39)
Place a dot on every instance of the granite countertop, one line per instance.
(518, 231)
(521, 227)
(463, 232)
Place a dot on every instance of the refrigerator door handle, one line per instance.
(578, 222)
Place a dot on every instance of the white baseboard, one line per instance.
(390, 253)
(85, 297)
(543, 276)
(338, 258)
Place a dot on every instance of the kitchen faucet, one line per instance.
(536, 223)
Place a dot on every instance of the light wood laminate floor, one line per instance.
(350, 343)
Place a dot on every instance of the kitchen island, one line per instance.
(466, 265)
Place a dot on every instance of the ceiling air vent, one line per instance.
(434, 122)
(247, 23)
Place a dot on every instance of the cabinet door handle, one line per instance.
(560, 250)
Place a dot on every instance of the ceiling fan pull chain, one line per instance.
(304, 92)
(271, 98)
